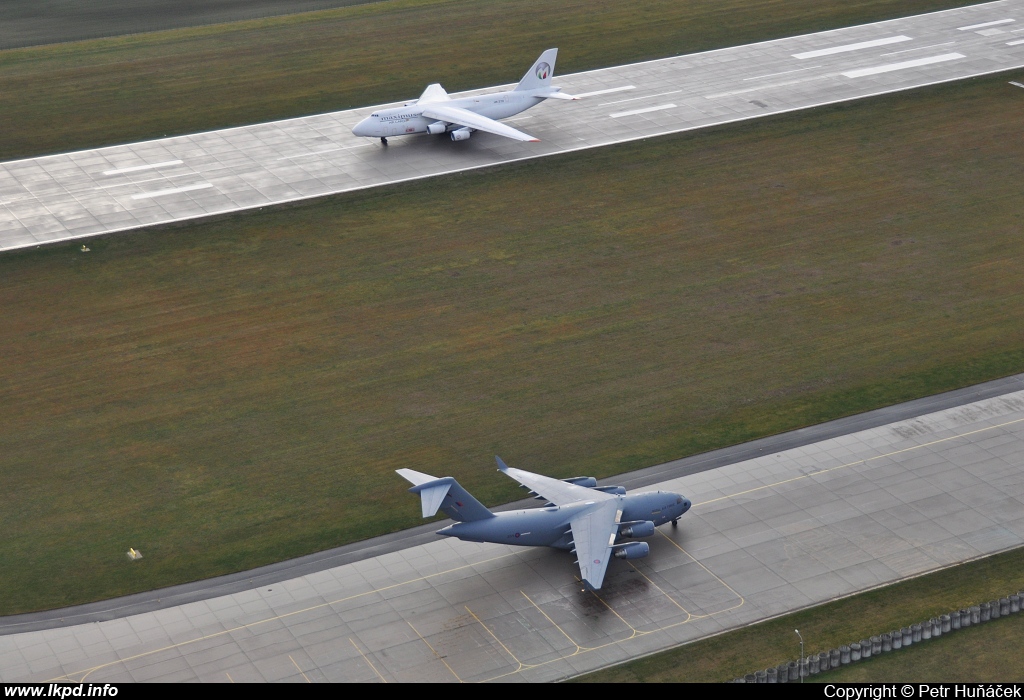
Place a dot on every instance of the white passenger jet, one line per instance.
(436, 113)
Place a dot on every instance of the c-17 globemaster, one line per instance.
(436, 113)
(592, 521)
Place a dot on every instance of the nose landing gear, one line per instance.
(675, 522)
(383, 141)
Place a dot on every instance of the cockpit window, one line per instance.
(679, 499)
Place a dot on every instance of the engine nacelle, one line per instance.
(587, 481)
(461, 134)
(641, 528)
(632, 550)
(437, 128)
(617, 490)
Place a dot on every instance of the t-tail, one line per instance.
(539, 75)
(445, 494)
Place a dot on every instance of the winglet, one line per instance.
(501, 465)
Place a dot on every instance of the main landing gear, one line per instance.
(383, 141)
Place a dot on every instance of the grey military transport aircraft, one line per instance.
(580, 516)
(436, 113)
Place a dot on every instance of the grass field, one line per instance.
(33, 22)
(231, 393)
(989, 652)
(82, 95)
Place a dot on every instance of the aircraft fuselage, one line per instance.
(399, 121)
(549, 526)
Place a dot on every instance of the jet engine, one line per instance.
(437, 128)
(632, 550)
(461, 134)
(588, 481)
(640, 528)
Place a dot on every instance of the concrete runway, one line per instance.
(765, 536)
(76, 195)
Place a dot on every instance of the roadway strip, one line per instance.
(137, 168)
(175, 190)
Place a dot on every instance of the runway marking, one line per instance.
(919, 48)
(767, 87)
(1017, 84)
(439, 657)
(1015, 43)
(368, 662)
(630, 113)
(138, 182)
(326, 150)
(889, 67)
(642, 97)
(710, 573)
(299, 669)
(785, 72)
(495, 638)
(571, 640)
(175, 190)
(137, 168)
(229, 677)
(852, 47)
(985, 24)
(606, 92)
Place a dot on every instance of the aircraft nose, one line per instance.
(362, 128)
(686, 504)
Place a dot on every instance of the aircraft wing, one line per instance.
(593, 533)
(463, 117)
(559, 492)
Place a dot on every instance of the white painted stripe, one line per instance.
(761, 88)
(785, 72)
(142, 182)
(919, 48)
(176, 190)
(605, 92)
(630, 113)
(643, 97)
(1015, 43)
(137, 168)
(1017, 84)
(853, 47)
(889, 67)
(969, 27)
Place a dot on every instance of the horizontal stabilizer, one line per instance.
(444, 494)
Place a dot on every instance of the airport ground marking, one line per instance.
(434, 652)
(230, 679)
(368, 662)
(248, 625)
(299, 669)
(710, 573)
(571, 640)
(636, 632)
(689, 615)
(853, 464)
(919, 48)
(495, 638)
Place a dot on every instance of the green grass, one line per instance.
(227, 394)
(92, 93)
(985, 653)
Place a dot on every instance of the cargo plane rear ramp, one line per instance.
(436, 113)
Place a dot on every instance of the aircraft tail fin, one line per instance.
(433, 93)
(445, 494)
(539, 75)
